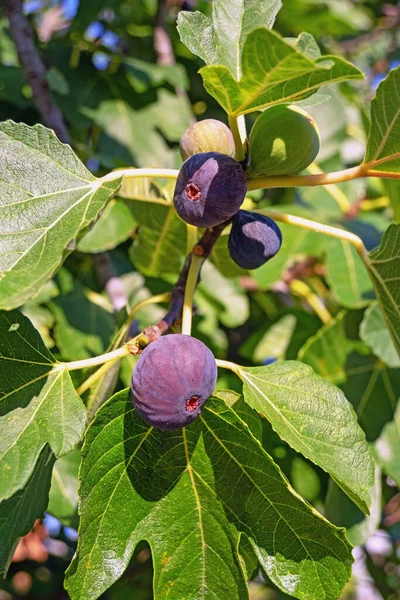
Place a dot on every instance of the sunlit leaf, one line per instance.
(315, 418)
(273, 72)
(190, 493)
(38, 404)
(47, 198)
(221, 41)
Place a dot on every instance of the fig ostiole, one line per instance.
(172, 380)
(284, 140)
(253, 240)
(208, 135)
(210, 189)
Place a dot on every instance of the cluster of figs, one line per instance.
(176, 374)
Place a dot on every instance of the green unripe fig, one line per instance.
(209, 135)
(284, 140)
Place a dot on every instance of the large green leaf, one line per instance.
(367, 383)
(387, 447)
(274, 71)
(38, 403)
(347, 275)
(383, 148)
(374, 332)
(221, 41)
(18, 513)
(190, 493)
(384, 269)
(47, 198)
(315, 418)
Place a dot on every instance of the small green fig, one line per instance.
(284, 140)
(209, 135)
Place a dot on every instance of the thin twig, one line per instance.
(34, 68)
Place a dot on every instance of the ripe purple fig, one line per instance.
(210, 189)
(253, 239)
(172, 380)
(209, 135)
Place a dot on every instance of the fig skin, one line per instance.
(210, 189)
(284, 140)
(253, 240)
(172, 380)
(208, 135)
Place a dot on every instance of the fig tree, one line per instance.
(284, 140)
(209, 135)
(210, 188)
(172, 380)
(253, 239)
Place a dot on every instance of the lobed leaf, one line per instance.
(190, 493)
(38, 404)
(221, 40)
(47, 198)
(273, 72)
(313, 417)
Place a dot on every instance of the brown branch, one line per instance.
(34, 68)
(203, 248)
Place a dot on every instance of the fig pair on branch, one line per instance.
(176, 374)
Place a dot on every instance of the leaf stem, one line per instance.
(333, 190)
(88, 383)
(95, 360)
(191, 237)
(191, 284)
(300, 288)
(238, 129)
(133, 173)
(285, 181)
(227, 364)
